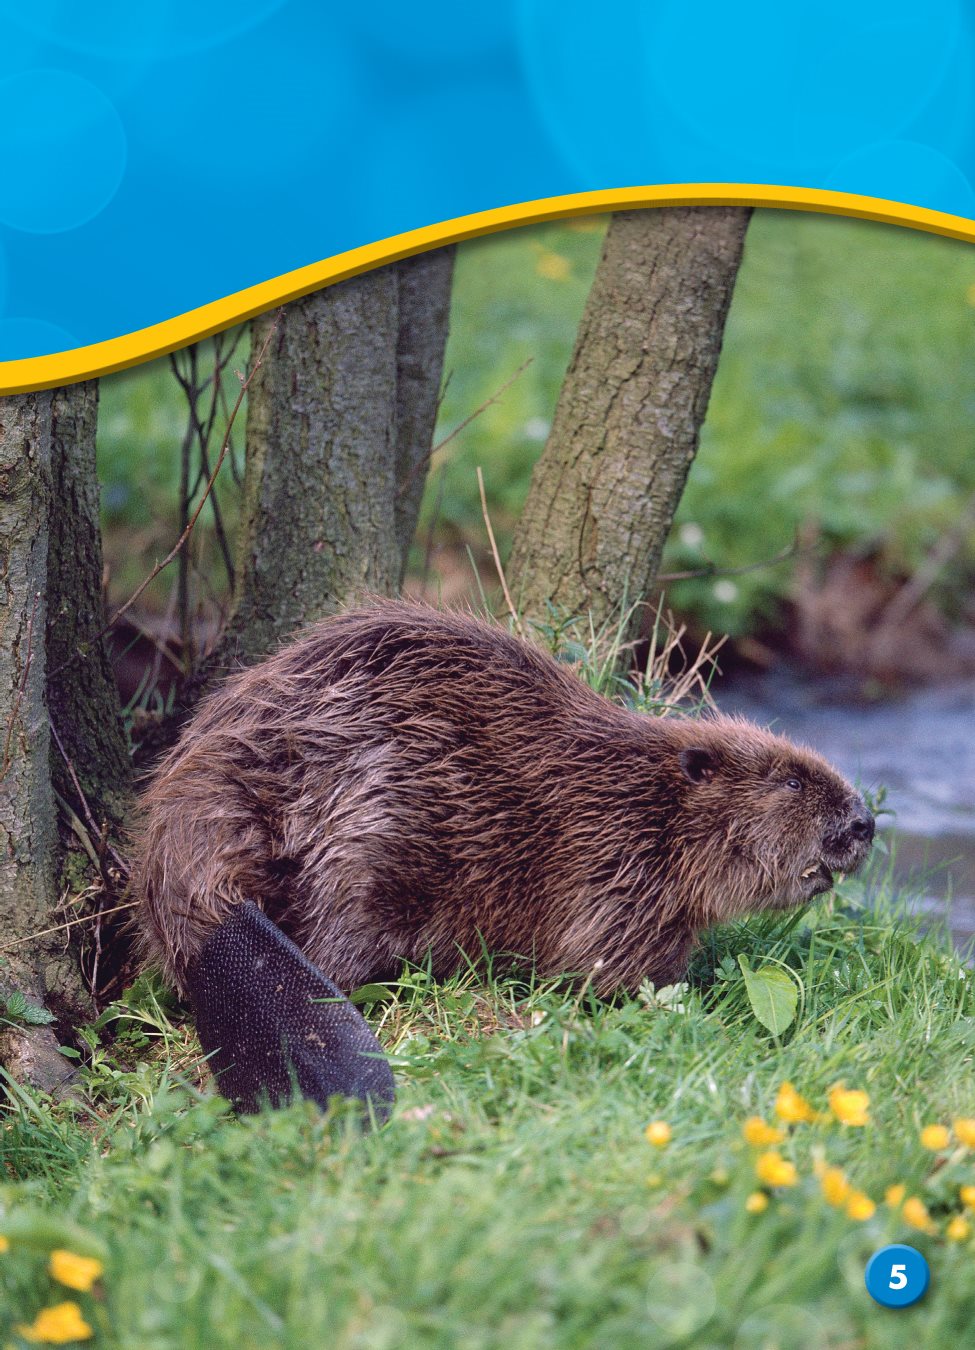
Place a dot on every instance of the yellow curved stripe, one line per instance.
(101, 358)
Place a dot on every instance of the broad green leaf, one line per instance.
(773, 995)
(370, 993)
(32, 1014)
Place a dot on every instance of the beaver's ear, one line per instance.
(698, 765)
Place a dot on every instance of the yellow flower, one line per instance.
(761, 1135)
(4, 1243)
(552, 265)
(935, 1137)
(836, 1188)
(77, 1272)
(915, 1211)
(757, 1202)
(774, 1170)
(57, 1325)
(894, 1195)
(967, 1194)
(849, 1105)
(658, 1133)
(958, 1229)
(964, 1131)
(859, 1206)
(791, 1107)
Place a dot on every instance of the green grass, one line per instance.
(513, 1199)
(510, 305)
(844, 399)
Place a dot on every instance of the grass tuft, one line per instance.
(514, 1197)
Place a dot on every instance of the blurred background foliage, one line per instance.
(843, 414)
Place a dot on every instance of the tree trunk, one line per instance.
(339, 425)
(424, 312)
(81, 693)
(42, 968)
(51, 658)
(626, 427)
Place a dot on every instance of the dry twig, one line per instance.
(89, 814)
(180, 542)
(711, 569)
(71, 923)
(159, 567)
(515, 617)
(422, 464)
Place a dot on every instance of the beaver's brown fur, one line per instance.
(400, 782)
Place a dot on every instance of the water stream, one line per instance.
(920, 747)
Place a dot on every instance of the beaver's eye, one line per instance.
(793, 784)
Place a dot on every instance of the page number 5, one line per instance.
(897, 1276)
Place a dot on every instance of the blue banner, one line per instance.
(156, 159)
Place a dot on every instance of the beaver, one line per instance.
(401, 783)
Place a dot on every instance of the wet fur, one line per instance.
(401, 782)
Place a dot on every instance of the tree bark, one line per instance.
(82, 695)
(626, 426)
(53, 665)
(42, 968)
(423, 321)
(340, 420)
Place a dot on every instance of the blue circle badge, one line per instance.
(897, 1276)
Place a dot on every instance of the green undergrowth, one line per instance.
(835, 412)
(514, 1198)
(839, 410)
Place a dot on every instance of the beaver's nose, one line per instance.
(863, 826)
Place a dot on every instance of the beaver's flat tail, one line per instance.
(274, 1027)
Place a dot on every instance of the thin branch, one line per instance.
(497, 559)
(103, 845)
(236, 469)
(434, 518)
(713, 570)
(444, 386)
(220, 360)
(422, 464)
(159, 567)
(89, 814)
(159, 643)
(219, 529)
(21, 689)
(72, 923)
(191, 390)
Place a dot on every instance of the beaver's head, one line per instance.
(783, 822)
